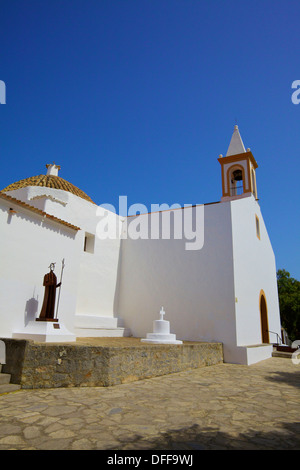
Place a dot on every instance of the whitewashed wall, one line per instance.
(211, 294)
(196, 288)
(28, 246)
(98, 271)
(254, 270)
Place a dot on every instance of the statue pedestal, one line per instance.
(161, 332)
(50, 331)
(47, 319)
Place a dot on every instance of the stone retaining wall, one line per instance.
(42, 365)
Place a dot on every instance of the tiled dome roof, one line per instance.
(48, 181)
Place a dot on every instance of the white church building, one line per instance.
(211, 266)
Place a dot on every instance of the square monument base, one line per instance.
(45, 331)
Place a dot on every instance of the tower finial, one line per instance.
(236, 145)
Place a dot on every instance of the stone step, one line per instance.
(5, 385)
(102, 332)
(284, 351)
(287, 355)
(253, 353)
(97, 327)
(6, 388)
(4, 378)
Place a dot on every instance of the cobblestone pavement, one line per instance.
(225, 406)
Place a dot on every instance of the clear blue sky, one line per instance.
(139, 98)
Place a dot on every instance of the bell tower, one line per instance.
(238, 170)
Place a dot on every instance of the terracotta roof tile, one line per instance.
(48, 181)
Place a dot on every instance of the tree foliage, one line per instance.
(289, 303)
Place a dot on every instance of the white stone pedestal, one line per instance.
(161, 332)
(45, 331)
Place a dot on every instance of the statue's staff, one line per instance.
(61, 275)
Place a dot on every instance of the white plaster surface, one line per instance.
(254, 270)
(195, 287)
(97, 272)
(29, 243)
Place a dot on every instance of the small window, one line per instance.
(257, 227)
(89, 243)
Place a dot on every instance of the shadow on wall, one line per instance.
(31, 309)
(46, 224)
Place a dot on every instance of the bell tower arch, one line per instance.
(238, 170)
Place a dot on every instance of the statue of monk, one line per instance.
(50, 284)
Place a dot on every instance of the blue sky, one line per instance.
(139, 98)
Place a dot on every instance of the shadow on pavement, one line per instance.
(289, 378)
(196, 438)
